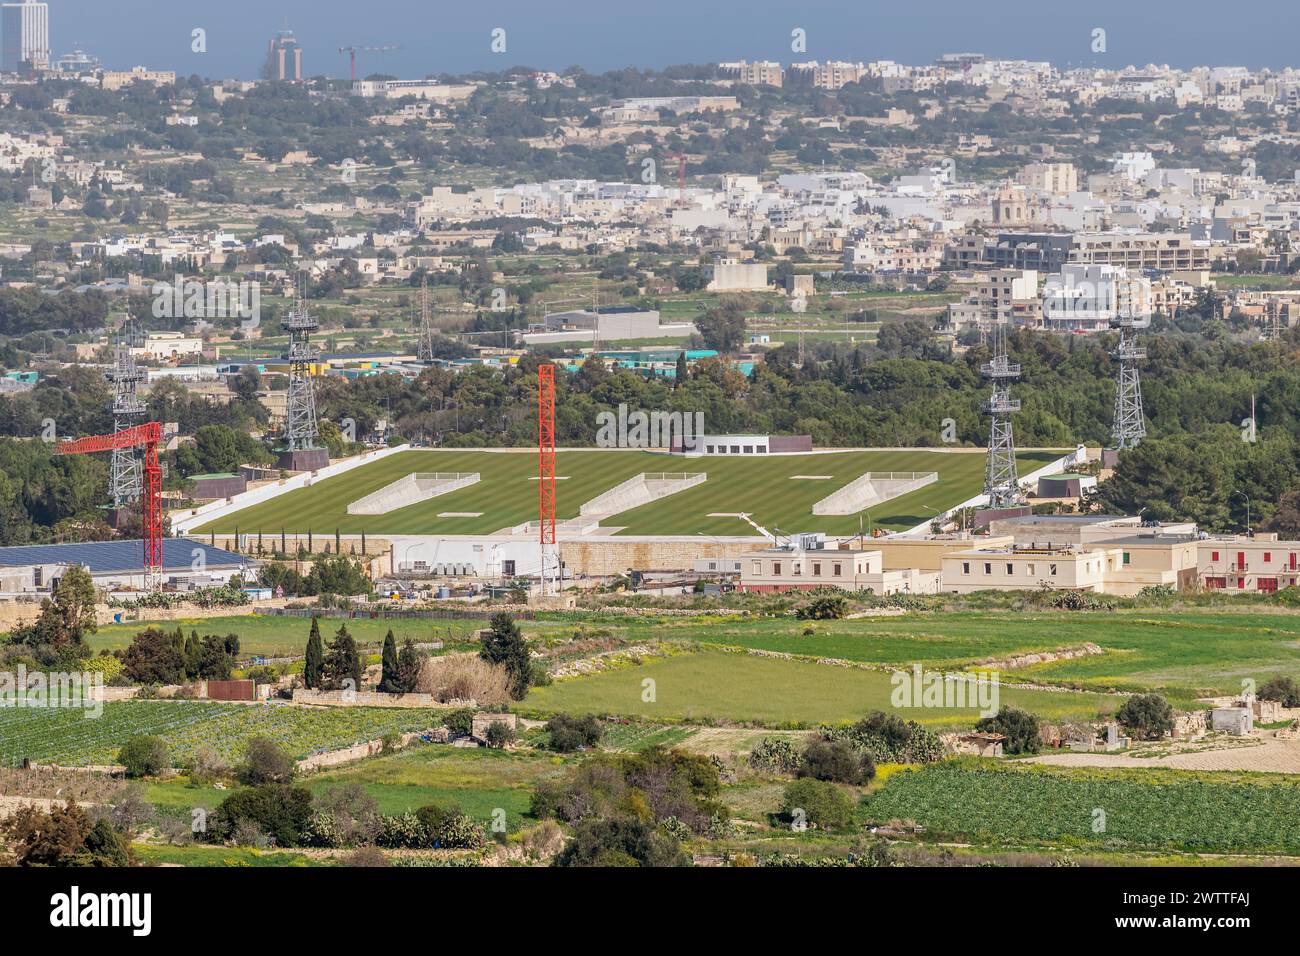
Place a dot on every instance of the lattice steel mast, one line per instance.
(1001, 483)
(425, 349)
(1129, 426)
(301, 428)
(126, 471)
(550, 575)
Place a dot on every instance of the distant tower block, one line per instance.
(126, 471)
(1129, 427)
(1001, 483)
(301, 452)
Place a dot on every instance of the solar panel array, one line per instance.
(107, 557)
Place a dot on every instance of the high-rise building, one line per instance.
(284, 61)
(24, 35)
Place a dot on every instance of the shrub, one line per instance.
(365, 856)
(1020, 729)
(344, 816)
(206, 765)
(108, 665)
(828, 608)
(1146, 716)
(568, 734)
(264, 762)
(822, 804)
(465, 677)
(1078, 601)
(504, 646)
(837, 760)
(774, 755)
(1282, 689)
(450, 828)
(887, 738)
(651, 786)
(460, 722)
(621, 842)
(65, 836)
(144, 756)
(402, 832)
(280, 811)
(499, 734)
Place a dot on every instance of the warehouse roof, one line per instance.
(107, 557)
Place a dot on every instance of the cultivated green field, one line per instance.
(275, 636)
(479, 781)
(1185, 654)
(506, 495)
(985, 801)
(72, 737)
(737, 688)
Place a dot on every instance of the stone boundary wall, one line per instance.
(365, 698)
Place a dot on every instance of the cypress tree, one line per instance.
(389, 680)
(343, 662)
(505, 645)
(313, 669)
(681, 370)
(408, 667)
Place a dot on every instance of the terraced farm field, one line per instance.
(1185, 654)
(776, 491)
(68, 736)
(738, 688)
(1151, 809)
(282, 636)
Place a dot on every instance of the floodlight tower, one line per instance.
(425, 348)
(1001, 482)
(301, 429)
(126, 471)
(546, 478)
(1129, 426)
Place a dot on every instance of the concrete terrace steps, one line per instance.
(872, 488)
(640, 490)
(412, 489)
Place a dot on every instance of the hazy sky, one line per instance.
(439, 36)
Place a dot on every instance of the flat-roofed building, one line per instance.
(1248, 563)
(1122, 565)
(796, 568)
(758, 73)
(1055, 178)
(1165, 251)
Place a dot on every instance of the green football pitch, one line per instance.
(776, 492)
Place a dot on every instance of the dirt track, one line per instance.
(1270, 755)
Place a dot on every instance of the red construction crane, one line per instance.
(148, 434)
(352, 55)
(546, 467)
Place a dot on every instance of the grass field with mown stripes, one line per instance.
(769, 489)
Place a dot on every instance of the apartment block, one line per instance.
(1248, 563)
(759, 73)
(826, 76)
(1122, 566)
(1088, 298)
(1164, 251)
(1056, 178)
